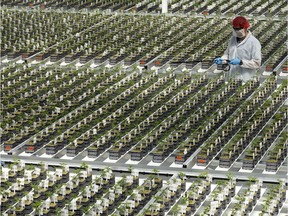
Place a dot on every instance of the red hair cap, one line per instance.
(240, 22)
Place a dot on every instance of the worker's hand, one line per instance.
(218, 60)
(235, 61)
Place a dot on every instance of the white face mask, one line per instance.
(239, 33)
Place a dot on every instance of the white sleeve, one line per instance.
(252, 64)
(255, 62)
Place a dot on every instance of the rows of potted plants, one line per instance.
(195, 195)
(274, 199)
(247, 7)
(227, 102)
(136, 110)
(140, 196)
(161, 42)
(63, 98)
(85, 135)
(278, 153)
(44, 29)
(202, 132)
(176, 6)
(264, 140)
(49, 195)
(178, 46)
(153, 119)
(220, 197)
(139, 201)
(114, 5)
(107, 102)
(279, 55)
(194, 118)
(63, 189)
(159, 133)
(167, 196)
(108, 201)
(235, 122)
(113, 116)
(271, 48)
(270, 9)
(17, 181)
(95, 41)
(270, 45)
(246, 201)
(28, 111)
(88, 194)
(84, 45)
(194, 121)
(162, 90)
(15, 170)
(90, 133)
(251, 129)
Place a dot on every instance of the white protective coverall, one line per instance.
(249, 51)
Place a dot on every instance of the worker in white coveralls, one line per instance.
(243, 51)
